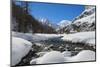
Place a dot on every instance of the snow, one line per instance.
(45, 21)
(38, 44)
(90, 9)
(20, 47)
(23, 36)
(88, 37)
(66, 53)
(48, 35)
(88, 19)
(50, 57)
(85, 55)
(33, 61)
(91, 41)
(84, 37)
(35, 37)
(57, 57)
(38, 37)
(63, 23)
(41, 53)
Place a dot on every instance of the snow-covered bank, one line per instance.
(20, 47)
(52, 48)
(23, 36)
(50, 57)
(58, 57)
(85, 55)
(35, 37)
(84, 37)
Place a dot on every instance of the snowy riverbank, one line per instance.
(42, 45)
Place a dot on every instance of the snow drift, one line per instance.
(84, 37)
(85, 55)
(57, 57)
(23, 36)
(20, 47)
(50, 57)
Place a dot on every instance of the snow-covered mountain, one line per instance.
(63, 23)
(46, 22)
(88, 15)
(84, 22)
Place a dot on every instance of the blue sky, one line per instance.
(55, 12)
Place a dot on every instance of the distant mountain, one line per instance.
(46, 22)
(63, 23)
(84, 22)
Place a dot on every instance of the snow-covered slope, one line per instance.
(88, 15)
(87, 12)
(20, 47)
(88, 19)
(85, 55)
(84, 37)
(84, 22)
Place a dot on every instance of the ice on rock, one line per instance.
(20, 47)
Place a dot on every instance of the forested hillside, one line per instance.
(22, 21)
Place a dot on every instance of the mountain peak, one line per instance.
(63, 23)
